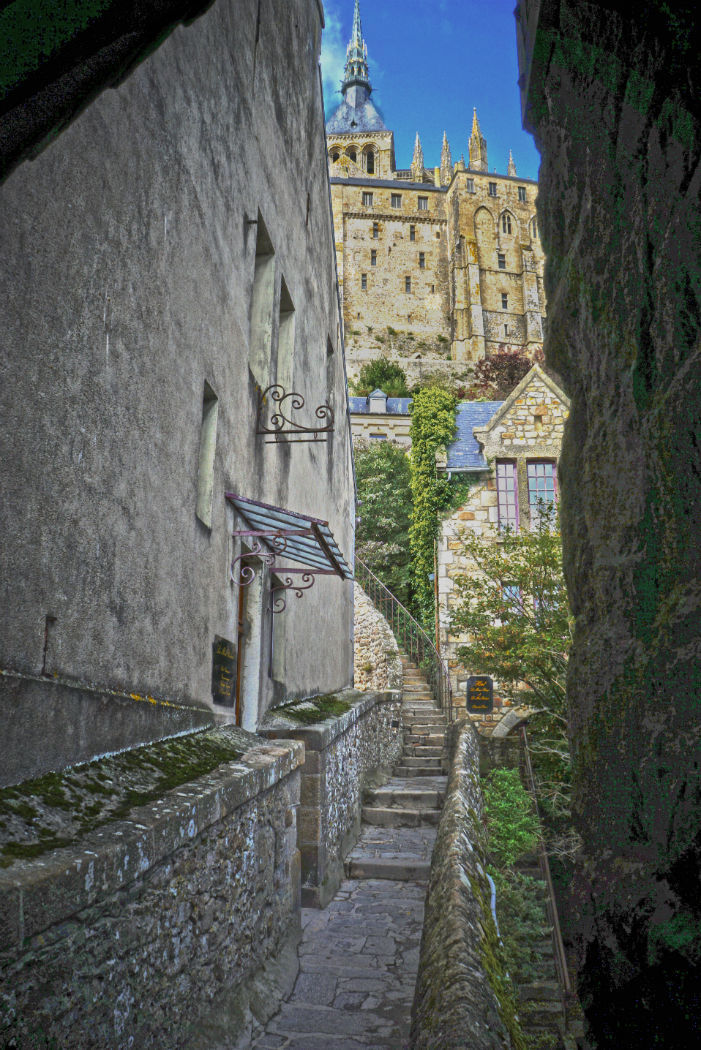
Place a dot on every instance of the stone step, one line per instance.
(435, 748)
(403, 869)
(541, 990)
(422, 756)
(427, 715)
(539, 1014)
(405, 797)
(399, 818)
(415, 771)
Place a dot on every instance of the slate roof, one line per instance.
(464, 453)
(396, 406)
(362, 117)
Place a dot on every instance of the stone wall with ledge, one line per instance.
(148, 930)
(343, 755)
(377, 664)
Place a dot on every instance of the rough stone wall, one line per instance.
(342, 755)
(455, 1004)
(615, 114)
(127, 937)
(377, 662)
(529, 425)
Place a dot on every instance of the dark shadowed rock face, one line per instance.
(613, 103)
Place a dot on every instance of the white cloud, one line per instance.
(333, 54)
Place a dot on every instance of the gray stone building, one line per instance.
(166, 259)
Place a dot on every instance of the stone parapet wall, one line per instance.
(127, 937)
(455, 1004)
(377, 662)
(342, 756)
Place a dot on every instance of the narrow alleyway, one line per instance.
(359, 956)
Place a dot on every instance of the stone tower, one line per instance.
(477, 146)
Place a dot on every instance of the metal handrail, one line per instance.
(558, 946)
(410, 635)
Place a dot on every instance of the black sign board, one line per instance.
(223, 671)
(480, 695)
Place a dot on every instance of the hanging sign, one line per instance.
(480, 695)
(223, 671)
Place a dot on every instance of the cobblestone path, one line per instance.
(359, 956)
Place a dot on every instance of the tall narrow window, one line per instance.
(375, 230)
(534, 228)
(370, 163)
(286, 339)
(373, 258)
(261, 336)
(542, 486)
(407, 284)
(501, 260)
(352, 155)
(423, 203)
(492, 189)
(363, 283)
(422, 260)
(522, 194)
(396, 200)
(506, 329)
(506, 222)
(470, 185)
(367, 200)
(412, 233)
(208, 445)
(507, 494)
(504, 301)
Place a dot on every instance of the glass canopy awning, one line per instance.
(275, 532)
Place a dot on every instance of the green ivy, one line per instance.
(432, 426)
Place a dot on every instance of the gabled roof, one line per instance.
(536, 372)
(347, 118)
(464, 453)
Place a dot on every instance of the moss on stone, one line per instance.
(314, 709)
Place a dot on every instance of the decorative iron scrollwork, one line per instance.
(306, 581)
(280, 424)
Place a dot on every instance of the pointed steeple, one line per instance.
(446, 162)
(356, 71)
(511, 168)
(477, 146)
(417, 163)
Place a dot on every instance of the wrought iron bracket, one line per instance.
(275, 544)
(275, 408)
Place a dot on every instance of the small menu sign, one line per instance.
(223, 671)
(480, 695)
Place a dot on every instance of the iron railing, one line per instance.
(411, 637)
(558, 947)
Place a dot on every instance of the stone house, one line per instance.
(167, 258)
(448, 255)
(381, 418)
(510, 450)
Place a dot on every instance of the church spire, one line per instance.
(356, 71)
(446, 162)
(511, 169)
(477, 146)
(417, 163)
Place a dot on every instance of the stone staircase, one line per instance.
(400, 818)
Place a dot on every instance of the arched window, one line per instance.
(335, 154)
(369, 155)
(352, 154)
(506, 222)
(534, 228)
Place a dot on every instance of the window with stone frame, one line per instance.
(396, 200)
(375, 230)
(364, 282)
(506, 222)
(407, 284)
(373, 258)
(470, 185)
(423, 203)
(534, 227)
(522, 194)
(492, 189)
(501, 260)
(507, 494)
(504, 301)
(412, 233)
(367, 200)
(370, 161)
(542, 486)
(422, 260)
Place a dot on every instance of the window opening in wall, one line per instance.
(375, 230)
(470, 185)
(522, 194)
(506, 329)
(506, 222)
(438, 235)
(412, 233)
(492, 189)
(363, 283)
(534, 228)
(352, 155)
(367, 200)
(422, 260)
(208, 444)
(378, 437)
(370, 163)
(286, 339)
(396, 200)
(433, 288)
(511, 596)
(501, 259)
(407, 284)
(335, 154)
(261, 334)
(373, 258)
(423, 203)
(507, 494)
(542, 485)
(504, 301)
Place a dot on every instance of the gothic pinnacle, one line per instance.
(446, 161)
(511, 168)
(417, 163)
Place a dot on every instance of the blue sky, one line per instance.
(431, 61)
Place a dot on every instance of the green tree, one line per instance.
(382, 538)
(384, 375)
(514, 611)
(432, 426)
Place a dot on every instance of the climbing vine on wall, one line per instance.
(432, 425)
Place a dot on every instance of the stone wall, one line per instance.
(147, 928)
(342, 756)
(611, 92)
(377, 662)
(455, 1004)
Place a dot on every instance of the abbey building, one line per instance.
(441, 262)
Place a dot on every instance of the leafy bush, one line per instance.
(384, 375)
(511, 820)
(382, 537)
